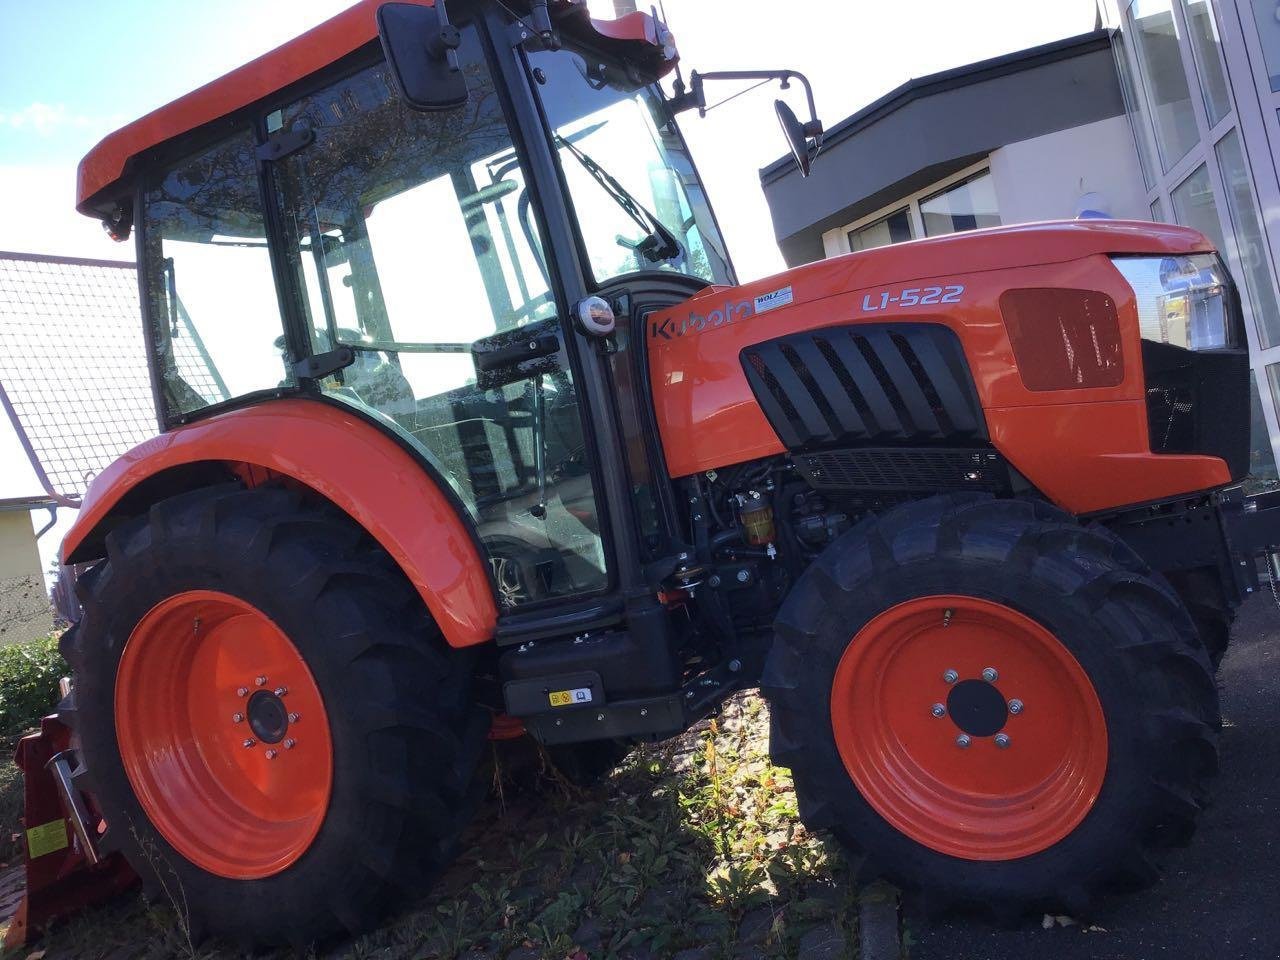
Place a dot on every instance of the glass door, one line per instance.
(412, 240)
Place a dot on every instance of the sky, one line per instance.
(73, 71)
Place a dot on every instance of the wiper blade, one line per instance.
(660, 243)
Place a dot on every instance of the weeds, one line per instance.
(692, 844)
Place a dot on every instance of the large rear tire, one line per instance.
(993, 706)
(267, 718)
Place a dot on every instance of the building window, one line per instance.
(1255, 258)
(1194, 206)
(895, 228)
(967, 205)
(1155, 35)
(1262, 459)
(1133, 102)
(1266, 13)
(1207, 45)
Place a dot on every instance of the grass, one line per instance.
(29, 673)
(691, 849)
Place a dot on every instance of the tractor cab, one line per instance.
(416, 232)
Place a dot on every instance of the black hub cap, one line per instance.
(977, 708)
(268, 717)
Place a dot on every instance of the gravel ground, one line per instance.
(1219, 897)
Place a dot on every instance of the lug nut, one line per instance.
(1015, 707)
(295, 717)
(963, 741)
(290, 743)
(281, 691)
(271, 754)
(990, 675)
(260, 681)
(1002, 741)
(938, 710)
(249, 743)
(950, 676)
(237, 718)
(242, 691)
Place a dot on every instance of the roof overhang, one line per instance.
(934, 126)
(101, 178)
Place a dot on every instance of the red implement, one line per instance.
(62, 875)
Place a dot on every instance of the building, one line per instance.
(1170, 112)
(74, 395)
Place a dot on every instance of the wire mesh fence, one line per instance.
(73, 370)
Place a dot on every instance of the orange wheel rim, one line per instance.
(969, 727)
(223, 735)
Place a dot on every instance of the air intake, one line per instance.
(866, 383)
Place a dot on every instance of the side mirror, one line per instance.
(421, 47)
(802, 148)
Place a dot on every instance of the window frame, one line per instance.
(836, 241)
(165, 157)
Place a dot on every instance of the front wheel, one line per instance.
(995, 706)
(266, 717)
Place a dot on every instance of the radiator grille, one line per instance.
(902, 382)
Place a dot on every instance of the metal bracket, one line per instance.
(321, 365)
(279, 145)
(72, 803)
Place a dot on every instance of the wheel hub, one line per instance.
(268, 716)
(977, 708)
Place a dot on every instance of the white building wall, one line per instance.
(1045, 177)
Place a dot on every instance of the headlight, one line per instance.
(1185, 301)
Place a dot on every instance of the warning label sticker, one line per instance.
(47, 838)
(569, 698)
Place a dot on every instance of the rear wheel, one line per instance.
(266, 716)
(994, 705)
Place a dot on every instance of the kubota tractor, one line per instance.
(466, 422)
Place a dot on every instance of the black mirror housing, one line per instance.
(797, 137)
(421, 47)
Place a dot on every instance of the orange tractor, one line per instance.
(472, 428)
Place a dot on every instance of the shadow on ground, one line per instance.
(692, 849)
(1220, 897)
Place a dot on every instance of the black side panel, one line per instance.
(1198, 402)
(866, 383)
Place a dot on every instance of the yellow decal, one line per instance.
(47, 838)
(567, 698)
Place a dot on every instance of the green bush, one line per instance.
(29, 675)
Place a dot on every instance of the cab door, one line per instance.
(412, 238)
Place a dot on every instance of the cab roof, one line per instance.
(100, 179)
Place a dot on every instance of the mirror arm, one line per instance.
(695, 96)
(542, 25)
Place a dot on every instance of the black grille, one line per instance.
(894, 383)
(892, 468)
(1198, 402)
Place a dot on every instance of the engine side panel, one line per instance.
(1086, 448)
(343, 459)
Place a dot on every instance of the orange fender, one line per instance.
(344, 459)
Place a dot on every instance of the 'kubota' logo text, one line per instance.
(669, 328)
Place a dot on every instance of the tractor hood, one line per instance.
(998, 248)
(709, 417)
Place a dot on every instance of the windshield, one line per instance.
(633, 187)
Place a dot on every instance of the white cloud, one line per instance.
(46, 119)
